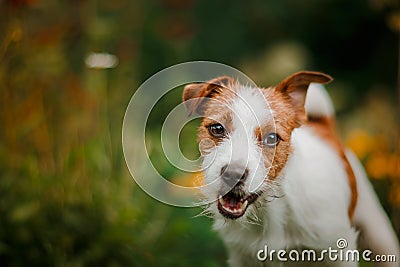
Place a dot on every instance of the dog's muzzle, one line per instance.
(235, 202)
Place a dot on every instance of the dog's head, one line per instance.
(245, 136)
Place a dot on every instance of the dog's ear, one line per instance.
(296, 85)
(197, 93)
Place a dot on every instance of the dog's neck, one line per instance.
(288, 214)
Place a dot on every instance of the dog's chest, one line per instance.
(277, 231)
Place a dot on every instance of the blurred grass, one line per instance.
(66, 197)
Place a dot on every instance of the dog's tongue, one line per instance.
(233, 203)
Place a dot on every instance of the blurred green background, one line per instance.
(66, 196)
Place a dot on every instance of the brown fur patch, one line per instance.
(285, 121)
(216, 110)
(325, 128)
(295, 88)
(287, 101)
(195, 95)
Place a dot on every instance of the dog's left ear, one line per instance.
(198, 93)
(296, 85)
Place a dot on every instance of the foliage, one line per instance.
(66, 197)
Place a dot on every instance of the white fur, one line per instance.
(312, 211)
(370, 218)
(318, 102)
(313, 194)
(248, 112)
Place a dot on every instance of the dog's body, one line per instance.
(277, 175)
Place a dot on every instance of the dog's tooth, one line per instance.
(233, 206)
(245, 204)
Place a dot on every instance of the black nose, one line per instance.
(233, 173)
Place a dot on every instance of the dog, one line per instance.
(277, 176)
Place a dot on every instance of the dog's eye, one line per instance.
(272, 139)
(216, 130)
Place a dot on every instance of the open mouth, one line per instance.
(233, 205)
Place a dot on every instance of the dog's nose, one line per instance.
(233, 173)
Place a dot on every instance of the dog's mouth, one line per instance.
(233, 205)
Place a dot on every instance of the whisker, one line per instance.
(206, 212)
(253, 218)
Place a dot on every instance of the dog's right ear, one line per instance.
(198, 93)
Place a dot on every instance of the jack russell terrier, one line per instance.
(278, 176)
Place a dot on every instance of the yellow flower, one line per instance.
(360, 142)
(191, 180)
(377, 166)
